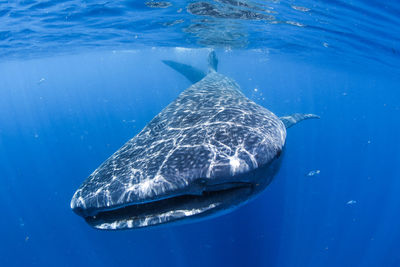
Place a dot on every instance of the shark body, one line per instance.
(209, 151)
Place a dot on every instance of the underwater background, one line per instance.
(78, 79)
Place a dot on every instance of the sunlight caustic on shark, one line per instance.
(209, 151)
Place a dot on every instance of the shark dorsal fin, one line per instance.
(212, 61)
(191, 73)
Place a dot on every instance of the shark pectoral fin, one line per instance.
(291, 120)
(191, 73)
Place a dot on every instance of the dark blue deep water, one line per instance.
(80, 78)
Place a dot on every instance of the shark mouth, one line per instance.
(215, 198)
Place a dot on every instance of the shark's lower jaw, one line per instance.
(171, 209)
(215, 200)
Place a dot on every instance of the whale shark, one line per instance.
(208, 152)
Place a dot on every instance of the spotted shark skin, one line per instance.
(208, 135)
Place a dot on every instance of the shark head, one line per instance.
(180, 203)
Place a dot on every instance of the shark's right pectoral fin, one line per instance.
(191, 73)
(291, 120)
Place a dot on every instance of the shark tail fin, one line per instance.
(191, 73)
(291, 120)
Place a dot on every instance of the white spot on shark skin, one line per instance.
(146, 185)
(351, 202)
(237, 165)
(150, 187)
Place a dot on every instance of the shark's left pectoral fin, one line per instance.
(291, 120)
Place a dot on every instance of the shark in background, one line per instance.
(208, 152)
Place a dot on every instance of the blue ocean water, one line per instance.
(79, 79)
